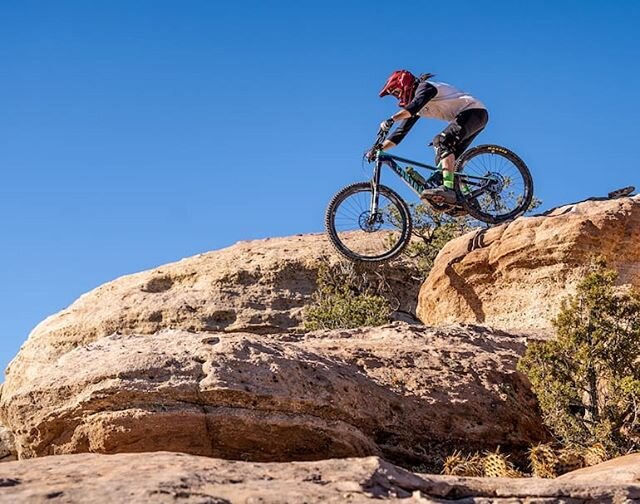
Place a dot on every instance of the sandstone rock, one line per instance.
(257, 286)
(514, 276)
(619, 470)
(407, 392)
(7, 445)
(170, 477)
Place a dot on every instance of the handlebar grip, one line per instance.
(380, 138)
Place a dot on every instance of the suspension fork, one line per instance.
(375, 184)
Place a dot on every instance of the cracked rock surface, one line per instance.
(258, 286)
(406, 392)
(171, 477)
(515, 276)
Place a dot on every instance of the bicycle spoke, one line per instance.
(364, 234)
(502, 190)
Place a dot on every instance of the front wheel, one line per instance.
(493, 184)
(365, 236)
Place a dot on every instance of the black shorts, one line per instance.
(460, 132)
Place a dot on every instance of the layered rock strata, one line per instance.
(409, 393)
(258, 286)
(515, 276)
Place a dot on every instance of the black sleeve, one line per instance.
(424, 92)
(402, 129)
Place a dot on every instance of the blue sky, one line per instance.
(138, 132)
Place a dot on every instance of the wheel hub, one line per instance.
(369, 223)
(496, 182)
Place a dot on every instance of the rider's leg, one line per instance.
(448, 165)
(471, 123)
(445, 144)
(450, 144)
(461, 132)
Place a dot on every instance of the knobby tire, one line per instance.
(403, 214)
(471, 206)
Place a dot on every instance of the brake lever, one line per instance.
(377, 146)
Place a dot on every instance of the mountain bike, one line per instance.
(370, 222)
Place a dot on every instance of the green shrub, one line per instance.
(345, 299)
(587, 380)
(432, 230)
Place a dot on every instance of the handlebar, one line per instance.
(381, 136)
(377, 145)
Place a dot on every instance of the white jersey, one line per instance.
(448, 103)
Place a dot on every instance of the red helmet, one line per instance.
(401, 85)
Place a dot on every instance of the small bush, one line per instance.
(345, 300)
(432, 230)
(587, 380)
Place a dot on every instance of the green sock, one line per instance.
(447, 179)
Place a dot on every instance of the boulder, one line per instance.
(514, 276)
(170, 477)
(619, 470)
(7, 445)
(258, 286)
(409, 393)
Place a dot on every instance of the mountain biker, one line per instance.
(419, 97)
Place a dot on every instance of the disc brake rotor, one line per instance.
(368, 223)
(496, 182)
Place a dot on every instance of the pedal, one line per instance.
(621, 193)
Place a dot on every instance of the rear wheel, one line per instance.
(493, 184)
(362, 236)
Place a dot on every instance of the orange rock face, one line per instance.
(406, 392)
(258, 287)
(514, 276)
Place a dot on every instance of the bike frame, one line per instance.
(478, 185)
(384, 158)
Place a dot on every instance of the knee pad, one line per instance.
(444, 144)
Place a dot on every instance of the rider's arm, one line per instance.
(424, 92)
(400, 132)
